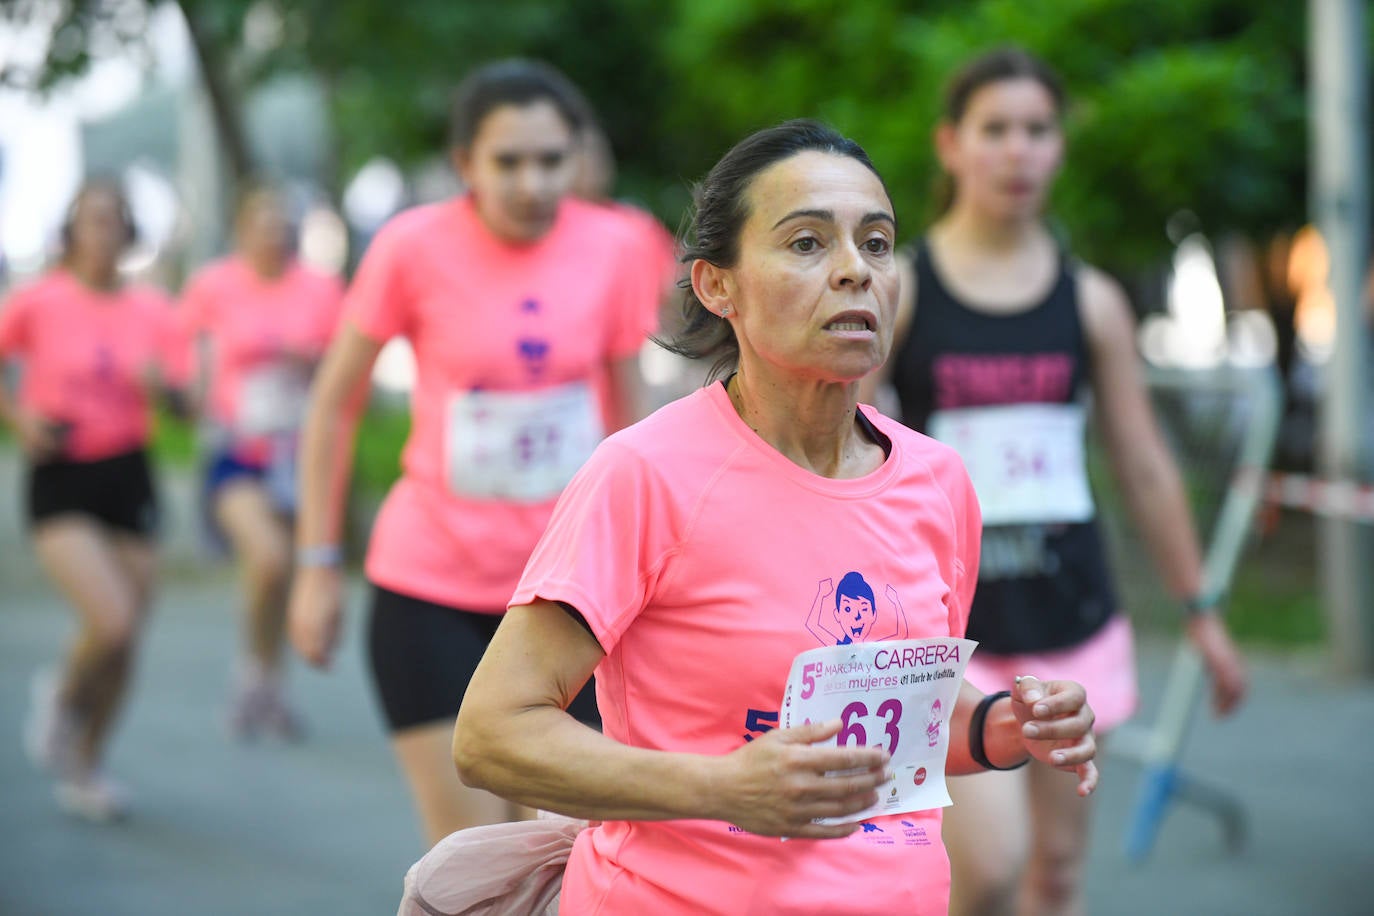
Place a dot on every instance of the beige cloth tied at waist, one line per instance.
(497, 870)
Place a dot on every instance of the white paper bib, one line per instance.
(898, 695)
(272, 399)
(1026, 460)
(519, 445)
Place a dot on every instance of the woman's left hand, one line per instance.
(1057, 726)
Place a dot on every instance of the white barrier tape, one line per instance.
(1334, 498)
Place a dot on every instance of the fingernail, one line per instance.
(1042, 709)
(1030, 730)
(889, 774)
(1057, 757)
(1031, 695)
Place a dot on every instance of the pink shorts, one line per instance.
(1105, 665)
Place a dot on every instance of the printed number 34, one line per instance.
(853, 732)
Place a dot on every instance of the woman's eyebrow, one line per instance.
(877, 216)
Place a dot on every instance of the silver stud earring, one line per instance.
(725, 310)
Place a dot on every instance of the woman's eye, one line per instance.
(804, 244)
(878, 245)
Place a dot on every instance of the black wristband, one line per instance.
(975, 733)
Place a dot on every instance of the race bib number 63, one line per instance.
(897, 695)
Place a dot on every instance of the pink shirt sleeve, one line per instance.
(175, 348)
(635, 309)
(194, 316)
(194, 312)
(969, 533)
(14, 324)
(332, 294)
(379, 300)
(607, 546)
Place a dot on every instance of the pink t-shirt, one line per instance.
(657, 244)
(85, 352)
(696, 551)
(488, 321)
(260, 331)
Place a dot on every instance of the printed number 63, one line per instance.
(853, 732)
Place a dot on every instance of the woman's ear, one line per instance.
(459, 157)
(947, 146)
(712, 287)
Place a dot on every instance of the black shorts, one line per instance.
(118, 492)
(423, 655)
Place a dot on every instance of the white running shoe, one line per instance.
(50, 731)
(92, 798)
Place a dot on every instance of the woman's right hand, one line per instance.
(776, 785)
(315, 613)
(38, 436)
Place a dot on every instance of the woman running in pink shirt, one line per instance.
(682, 566)
(94, 353)
(261, 321)
(526, 309)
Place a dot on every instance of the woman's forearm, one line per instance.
(1155, 498)
(325, 469)
(544, 758)
(337, 400)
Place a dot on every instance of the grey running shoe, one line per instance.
(258, 706)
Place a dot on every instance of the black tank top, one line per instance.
(1040, 586)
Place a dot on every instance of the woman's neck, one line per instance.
(811, 423)
(97, 275)
(966, 227)
(268, 265)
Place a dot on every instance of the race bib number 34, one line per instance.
(1026, 460)
(520, 445)
(897, 695)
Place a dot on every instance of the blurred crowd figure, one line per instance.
(96, 354)
(1285, 276)
(258, 323)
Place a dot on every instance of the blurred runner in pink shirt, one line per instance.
(95, 352)
(261, 322)
(526, 309)
(684, 562)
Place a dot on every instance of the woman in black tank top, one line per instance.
(1000, 335)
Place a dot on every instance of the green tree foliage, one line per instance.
(1174, 104)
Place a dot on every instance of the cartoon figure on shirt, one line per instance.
(933, 724)
(853, 616)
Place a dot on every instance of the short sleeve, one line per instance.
(642, 281)
(15, 317)
(331, 308)
(968, 525)
(175, 346)
(378, 300)
(608, 545)
(195, 311)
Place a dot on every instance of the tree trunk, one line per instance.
(210, 57)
